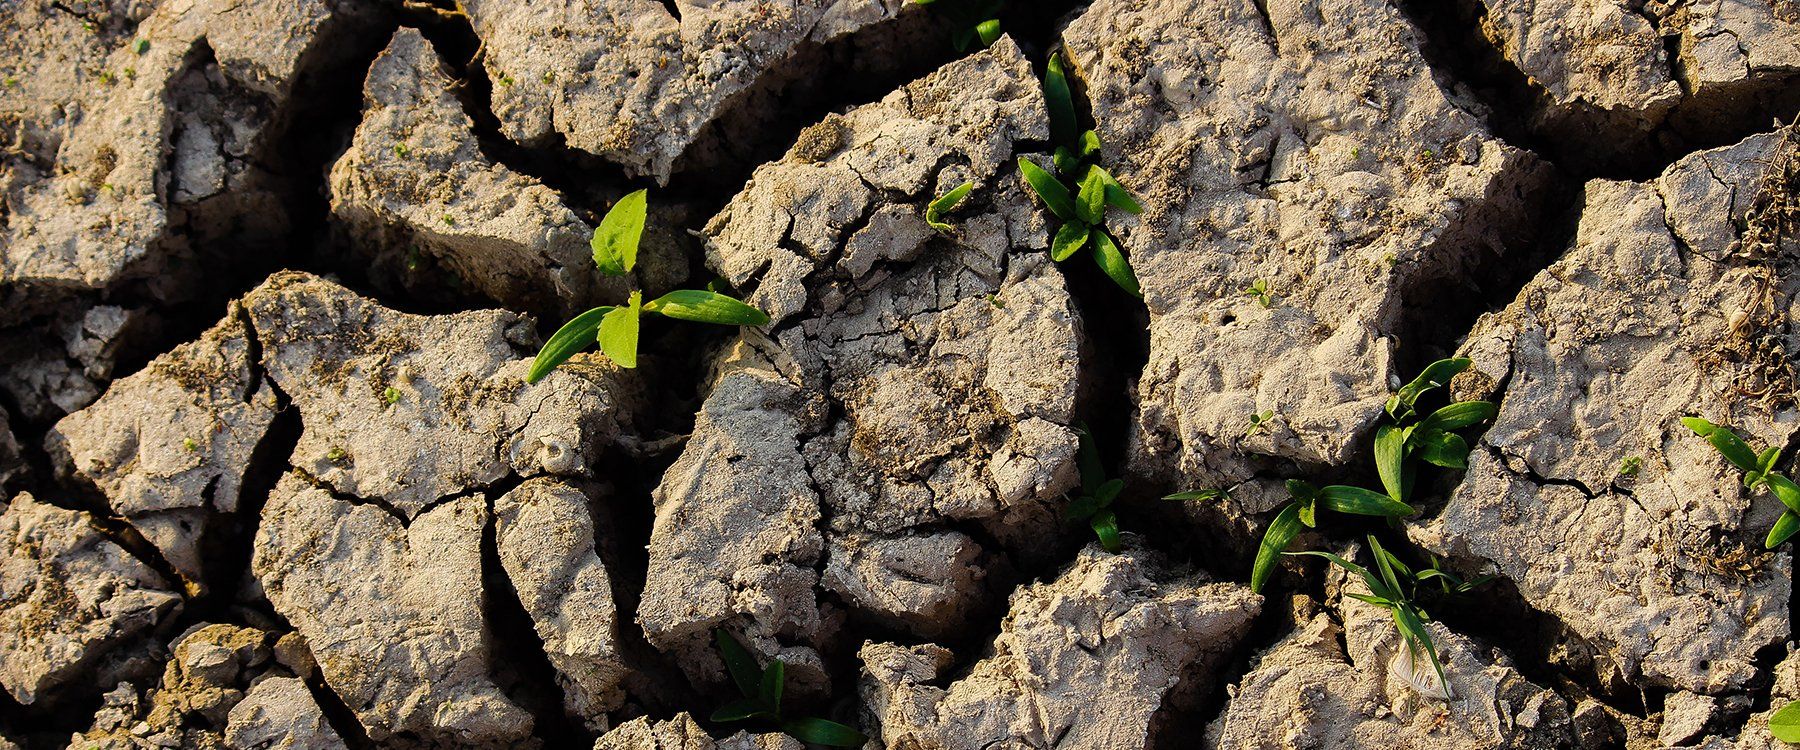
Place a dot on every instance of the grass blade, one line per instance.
(702, 306)
(615, 241)
(1361, 502)
(774, 680)
(738, 661)
(1060, 103)
(823, 732)
(1113, 262)
(572, 337)
(934, 212)
(1281, 531)
(1054, 195)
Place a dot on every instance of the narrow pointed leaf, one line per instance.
(1459, 415)
(1361, 502)
(1059, 102)
(1375, 585)
(1786, 491)
(615, 241)
(1087, 461)
(1116, 194)
(572, 337)
(739, 662)
(1390, 459)
(1280, 533)
(1733, 448)
(989, 31)
(618, 334)
(1196, 495)
(1090, 200)
(935, 211)
(703, 306)
(1784, 527)
(823, 732)
(1699, 425)
(1106, 526)
(1391, 568)
(1054, 195)
(1436, 375)
(1071, 237)
(1113, 262)
(1416, 635)
(774, 680)
(739, 710)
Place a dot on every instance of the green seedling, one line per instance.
(974, 20)
(934, 213)
(391, 395)
(1785, 724)
(450, 220)
(1393, 590)
(995, 301)
(1303, 513)
(1097, 493)
(336, 454)
(1081, 191)
(1759, 471)
(189, 445)
(401, 150)
(141, 46)
(615, 328)
(1631, 466)
(1198, 495)
(761, 688)
(1259, 421)
(1400, 445)
(1260, 290)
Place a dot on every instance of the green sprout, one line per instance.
(615, 328)
(141, 46)
(189, 445)
(106, 77)
(391, 395)
(450, 220)
(1259, 421)
(336, 454)
(1206, 494)
(1097, 493)
(995, 301)
(1260, 290)
(1080, 191)
(934, 213)
(1631, 466)
(761, 688)
(1759, 470)
(11, 81)
(1393, 591)
(506, 80)
(974, 19)
(401, 149)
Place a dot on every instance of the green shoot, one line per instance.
(141, 46)
(1260, 290)
(1208, 494)
(934, 213)
(616, 328)
(1785, 724)
(1759, 470)
(1097, 494)
(1259, 421)
(391, 395)
(974, 19)
(1393, 591)
(1631, 466)
(189, 445)
(336, 454)
(761, 688)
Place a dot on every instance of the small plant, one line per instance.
(1394, 591)
(761, 688)
(391, 395)
(934, 213)
(1759, 470)
(1259, 421)
(1303, 512)
(336, 454)
(189, 445)
(1260, 290)
(1097, 493)
(141, 46)
(1079, 194)
(401, 150)
(1631, 466)
(1208, 494)
(1785, 723)
(974, 20)
(615, 328)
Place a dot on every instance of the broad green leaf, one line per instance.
(1785, 724)
(1116, 195)
(1281, 531)
(989, 31)
(615, 241)
(934, 212)
(738, 661)
(1054, 195)
(1106, 526)
(1439, 448)
(1733, 448)
(619, 332)
(703, 306)
(1436, 375)
(1107, 492)
(1390, 458)
(1785, 490)
(1699, 425)
(1784, 527)
(1087, 461)
(1113, 262)
(1358, 501)
(823, 732)
(1069, 238)
(1197, 495)
(1090, 199)
(573, 336)
(1060, 103)
(741, 709)
(774, 680)
(1459, 415)
(1090, 143)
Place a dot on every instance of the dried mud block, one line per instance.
(279, 713)
(1587, 491)
(682, 733)
(1085, 660)
(210, 668)
(912, 395)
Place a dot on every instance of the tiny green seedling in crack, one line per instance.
(1080, 192)
(1259, 421)
(189, 445)
(1260, 290)
(1759, 470)
(761, 688)
(336, 455)
(141, 46)
(1093, 506)
(1630, 466)
(615, 327)
(935, 211)
(974, 20)
(1394, 590)
(391, 395)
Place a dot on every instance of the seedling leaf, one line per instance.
(1059, 102)
(1300, 489)
(934, 213)
(702, 306)
(1107, 492)
(1785, 724)
(1359, 501)
(1090, 143)
(1116, 195)
(1090, 200)
(1052, 193)
(1309, 513)
(573, 336)
(1459, 415)
(1106, 526)
(615, 241)
(1114, 263)
(1281, 531)
(823, 732)
(1727, 442)
(1390, 458)
(773, 680)
(1196, 495)
(739, 710)
(1087, 461)
(1439, 448)
(738, 661)
(1436, 375)
(989, 31)
(1072, 236)
(1064, 160)
(619, 332)
(1082, 508)
(1786, 491)
(1784, 527)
